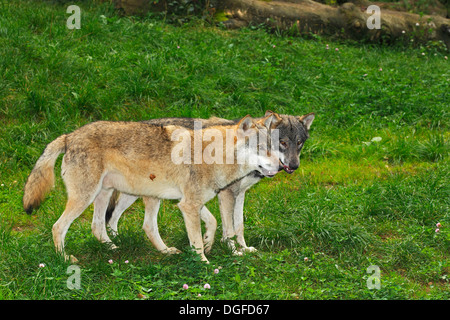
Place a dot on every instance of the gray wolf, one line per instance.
(136, 158)
(293, 132)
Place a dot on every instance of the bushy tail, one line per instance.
(111, 205)
(42, 177)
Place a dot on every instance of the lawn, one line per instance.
(372, 186)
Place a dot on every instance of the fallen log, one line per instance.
(357, 19)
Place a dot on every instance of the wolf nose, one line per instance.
(293, 166)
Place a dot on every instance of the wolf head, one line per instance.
(254, 144)
(292, 132)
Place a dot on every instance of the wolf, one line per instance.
(292, 133)
(135, 158)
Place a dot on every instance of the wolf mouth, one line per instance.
(268, 173)
(286, 168)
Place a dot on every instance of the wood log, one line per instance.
(349, 20)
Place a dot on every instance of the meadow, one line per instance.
(372, 188)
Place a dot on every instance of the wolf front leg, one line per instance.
(210, 226)
(238, 222)
(191, 215)
(231, 203)
(227, 202)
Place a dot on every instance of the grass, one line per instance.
(354, 202)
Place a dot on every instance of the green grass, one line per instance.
(354, 202)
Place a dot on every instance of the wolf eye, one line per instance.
(299, 142)
(284, 144)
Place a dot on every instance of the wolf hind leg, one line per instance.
(98, 222)
(74, 208)
(124, 201)
(80, 194)
(151, 225)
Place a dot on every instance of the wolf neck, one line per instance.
(229, 174)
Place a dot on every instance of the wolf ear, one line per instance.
(270, 120)
(245, 123)
(307, 119)
(268, 112)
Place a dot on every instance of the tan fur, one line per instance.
(231, 198)
(103, 156)
(42, 178)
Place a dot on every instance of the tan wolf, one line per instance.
(292, 133)
(137, 158)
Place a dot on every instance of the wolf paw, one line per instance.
(207, 243)
(70, 258)
(248, 249)
(171, 250)
(237, 253)
(112, 246)
(208, 248)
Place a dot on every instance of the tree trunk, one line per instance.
(348, 20)
(306, 16)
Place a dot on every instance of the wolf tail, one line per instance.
(42, 177)
(111, 205)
